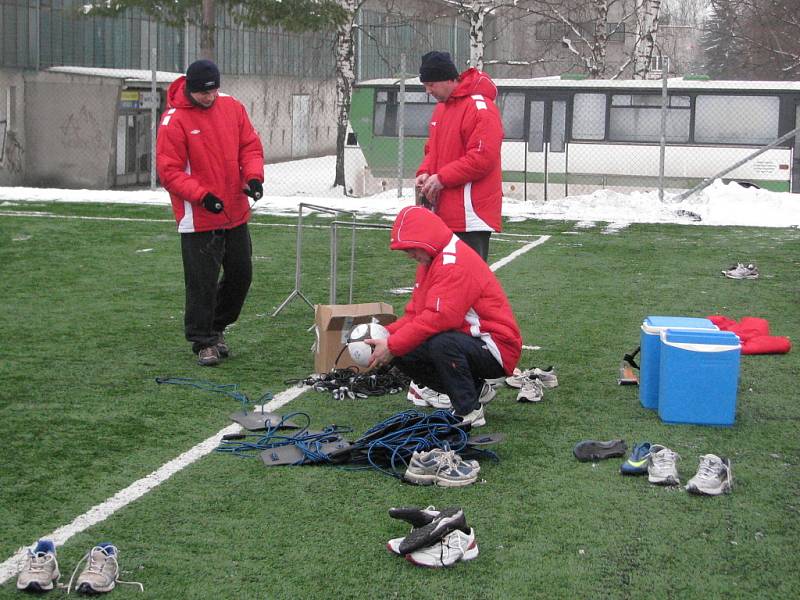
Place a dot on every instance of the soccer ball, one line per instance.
(359, 350)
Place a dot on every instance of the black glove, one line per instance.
(256, 190)
(212, 203)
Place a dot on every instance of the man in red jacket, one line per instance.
(458, 328)
(210, 159)
(460, 174)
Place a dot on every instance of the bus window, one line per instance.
(418, 110)
(637, 118)
(736, 119)
(512, 109)
(589, 117)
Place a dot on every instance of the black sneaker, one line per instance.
(432, 532)
(594, 450)
(419, 517)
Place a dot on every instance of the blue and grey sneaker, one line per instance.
(638, 460)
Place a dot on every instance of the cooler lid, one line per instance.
(658, 324)
(701, 341)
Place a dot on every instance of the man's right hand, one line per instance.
(212, 203)
(420, 179)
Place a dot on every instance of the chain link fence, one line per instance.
(79, 96)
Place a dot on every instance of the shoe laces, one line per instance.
(37, 563)
(664, 458)
(711, 467)
(96, 565)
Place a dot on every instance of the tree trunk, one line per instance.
(477, 16)
(345, 77)
(209, 23)
(646, 36)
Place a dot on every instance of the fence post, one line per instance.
(400, 124)
(153, 110)
(663, 140)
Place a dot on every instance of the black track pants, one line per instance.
(213, 303)
(452, 363)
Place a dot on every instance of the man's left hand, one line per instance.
(254, 189)
(381, 356)
(431, 188)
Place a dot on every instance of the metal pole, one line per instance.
(334, 246)
(663, 141)
(299, 248)
(153, 112)
(37, 33)
(708, 181)
(400, 124)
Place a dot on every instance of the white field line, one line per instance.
(504, 261)
(139, 488)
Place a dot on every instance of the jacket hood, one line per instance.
(176, 94)
(418, 227)
(473, 81)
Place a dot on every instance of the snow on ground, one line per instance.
(309, 181)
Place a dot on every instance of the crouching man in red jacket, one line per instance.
(458, 328)
(210, 159)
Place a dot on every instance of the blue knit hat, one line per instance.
(202, 76)
(437, 66)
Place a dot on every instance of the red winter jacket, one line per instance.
(463, 148)
(457, 291)
(202, 150)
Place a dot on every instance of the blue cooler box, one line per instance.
(650, 345)
(698, 377)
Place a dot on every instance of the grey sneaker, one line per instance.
(101, 572)
(208, 356)
(222, 347)
(455, 546)
(39, 571)
(662, 468)
(487, 393)
(714, 476)
(444, 468)
(740, 271)
(531, 390)
(547, 377)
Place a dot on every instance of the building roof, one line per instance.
(131, 76)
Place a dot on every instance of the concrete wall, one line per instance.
(269, 104)
(70, 125)
(12, 132)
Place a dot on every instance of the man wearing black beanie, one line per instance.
(199, 131)
(460, 175)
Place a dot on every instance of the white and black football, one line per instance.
(359, 350)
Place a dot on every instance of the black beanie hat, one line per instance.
(202, 76)
(437, 66)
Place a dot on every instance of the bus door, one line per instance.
(546, 160)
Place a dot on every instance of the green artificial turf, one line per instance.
(92, 314)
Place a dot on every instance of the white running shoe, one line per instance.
(425, 396)
(487, 393)
(453, 547)
(476, 418)
(531, 390)
(714, 476)
(740, 271)
(662, 468)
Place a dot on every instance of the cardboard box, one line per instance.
(333, 322)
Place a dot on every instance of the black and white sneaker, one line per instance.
(432, 532)
(419, 517)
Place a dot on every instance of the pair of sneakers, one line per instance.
(39, 570)
(531, 383)
(441, 467)
(438, 538)
(213, 355)
(714, 474)
(741, 271)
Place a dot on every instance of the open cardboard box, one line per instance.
(332, 324)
